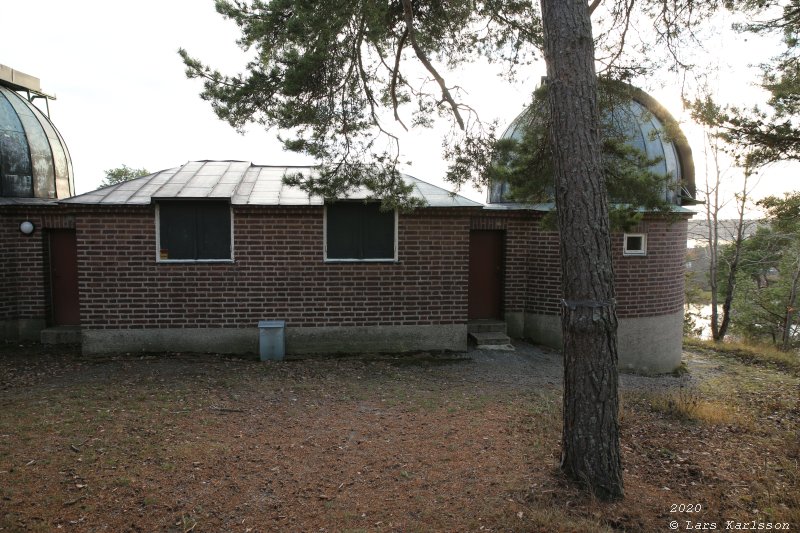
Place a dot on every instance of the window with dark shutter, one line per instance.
(359, 231)
(194, 231)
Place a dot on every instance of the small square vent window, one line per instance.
(635, 244)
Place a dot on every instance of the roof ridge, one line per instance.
(415, 186)
(453, 194)
(108, 189)
(155, 192)
(244, 183)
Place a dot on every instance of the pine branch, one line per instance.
(409, 17)
(396, 74)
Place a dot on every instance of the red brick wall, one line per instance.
(653, 284)
(544, 272)
(8, 267)
(649, 285)
(518, 228)
(22, 285)
(278, 273)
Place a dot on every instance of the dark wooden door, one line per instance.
(485, 274)
(64, 277)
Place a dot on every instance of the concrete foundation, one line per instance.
(356, 339)
(543, 329)
(515, 324)
(650, 345)
(27, 329)
(299, 341)
(9, 330)
(61, 335)
(216, 340)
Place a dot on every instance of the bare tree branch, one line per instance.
(627, 18)
(372, 104)
(396, 74)
(409, 16)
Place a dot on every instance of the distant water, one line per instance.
(702, 318)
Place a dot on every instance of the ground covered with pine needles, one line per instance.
(421, 442)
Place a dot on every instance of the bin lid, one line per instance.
(271, 323)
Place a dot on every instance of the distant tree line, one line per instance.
(121, 174)
(768, 282)
(753, 279)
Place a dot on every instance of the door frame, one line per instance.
(500, 235)
(54, 314)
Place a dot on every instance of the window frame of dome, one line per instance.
(634, 251)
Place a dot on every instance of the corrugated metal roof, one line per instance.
(244, 183)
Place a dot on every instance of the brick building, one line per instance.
(191, 258)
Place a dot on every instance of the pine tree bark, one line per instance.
(788, 322)
(590, 440)
(718, 332)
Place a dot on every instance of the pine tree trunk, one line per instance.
(713, 269)
(590, 441)
(733, 268)
(788, 322)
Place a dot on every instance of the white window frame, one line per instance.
(634, 253)
(356, 260)
(158, 238)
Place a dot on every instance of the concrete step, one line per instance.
(491, 340)
(61, 335)
(486, 325)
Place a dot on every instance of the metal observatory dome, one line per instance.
(34, 159)
(647, 126)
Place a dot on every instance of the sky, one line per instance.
(123, 98)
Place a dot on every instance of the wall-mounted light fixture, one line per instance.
(27, 227)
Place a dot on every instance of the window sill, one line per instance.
(384, 261)
(194, 261)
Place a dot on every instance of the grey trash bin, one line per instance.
(271, 340)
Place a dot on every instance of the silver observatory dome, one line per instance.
(34, 159)
(646, 126)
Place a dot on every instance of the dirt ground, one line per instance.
(422, 442)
